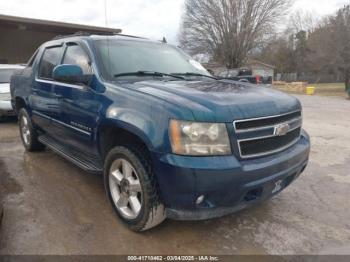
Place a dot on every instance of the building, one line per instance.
(261, 69)
(20, 37)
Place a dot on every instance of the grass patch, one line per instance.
(332, 89)
(329, 89)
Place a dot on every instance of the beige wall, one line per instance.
(263, 72)
(17, 46)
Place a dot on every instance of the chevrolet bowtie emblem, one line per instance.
(282, 129)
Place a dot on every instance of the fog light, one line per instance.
(200, 200)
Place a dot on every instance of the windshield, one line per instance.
(124, 56)
(5, 75)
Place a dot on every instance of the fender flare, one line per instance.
(129, 127)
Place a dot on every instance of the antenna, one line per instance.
(106, 20)
(107, 38)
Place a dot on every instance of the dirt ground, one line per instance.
(52, 207)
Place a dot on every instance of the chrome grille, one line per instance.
(267, 135)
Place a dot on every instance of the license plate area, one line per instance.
(279, 185)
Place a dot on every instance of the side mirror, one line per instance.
(72, 74)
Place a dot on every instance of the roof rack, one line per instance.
(133, 36)
(84, 33)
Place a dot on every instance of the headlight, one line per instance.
(199, 139)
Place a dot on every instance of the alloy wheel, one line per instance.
(125, 188)
(25, 130)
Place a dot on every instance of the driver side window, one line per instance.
(75, 55)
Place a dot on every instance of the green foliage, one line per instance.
(301, 40)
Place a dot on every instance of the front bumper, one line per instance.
(227, 184)
(6, 109)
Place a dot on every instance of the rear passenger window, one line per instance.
(75, 55)
(50, 59)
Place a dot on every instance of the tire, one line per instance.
(28, 134)
(128, 177)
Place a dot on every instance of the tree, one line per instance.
(302, 21)
(341, 30)
(330, 45)
(280, 53)
(301, 50)
(288, 50)
(228, 30)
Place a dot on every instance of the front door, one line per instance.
(79, 106)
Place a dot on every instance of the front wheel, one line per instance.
(132, 189)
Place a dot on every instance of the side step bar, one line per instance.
(70, 156)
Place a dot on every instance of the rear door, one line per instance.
(44, 105)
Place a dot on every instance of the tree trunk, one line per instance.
(1, 213)
(347, 81)
(1, 210)
(233, 63)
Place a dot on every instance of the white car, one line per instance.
(6, 72)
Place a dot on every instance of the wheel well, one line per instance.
(111, 136)
(20, 103)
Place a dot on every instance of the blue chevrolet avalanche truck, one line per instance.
(171, 140)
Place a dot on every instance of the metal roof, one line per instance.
(23, 23)
(252, 62)
(11, 66)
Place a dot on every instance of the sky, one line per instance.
(149, 18)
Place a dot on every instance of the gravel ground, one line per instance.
(52, 207)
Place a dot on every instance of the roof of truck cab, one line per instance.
(122, 37)
(78, 36)
(62, 39)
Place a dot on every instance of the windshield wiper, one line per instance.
(194, 74)
(149, 73)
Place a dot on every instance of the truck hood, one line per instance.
(220, 101)
(4, 88)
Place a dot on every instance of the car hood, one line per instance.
(222, 101)
(4, 88)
